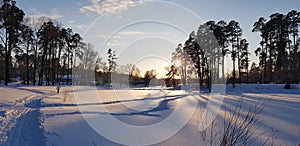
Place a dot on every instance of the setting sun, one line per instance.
(177, 63)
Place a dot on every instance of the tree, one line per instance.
(11, 18)
(171, 75)
(2, 62)
(101, 65)
(111, 60)
(134, 71)
(76, 40)
(181, 60)
(87, 65)
(89, 58)
(39, 45)
(254, 73)
(244, 59)
(223, 42)
(49, 34)
(278, 52)
(69, 39)
(294, 20)
(260, 26)
(149, 75)
(234, 33)
(195, 53)
(27, 36)
(35, 24)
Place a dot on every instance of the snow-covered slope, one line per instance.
(39, 116)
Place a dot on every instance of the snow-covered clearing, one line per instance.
(38, 116)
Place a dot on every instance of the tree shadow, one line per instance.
(162, 106)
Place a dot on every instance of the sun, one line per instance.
(177, 63)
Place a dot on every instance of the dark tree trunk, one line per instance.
(234, 75)
(223, 67)
(239, 59)
(53, 65)
(270, 64)
(27, 64)
(7, 71)
(58, 71)
(35, 63)
(7, 60)
(41, 74)
(68, 65)
(233, 63)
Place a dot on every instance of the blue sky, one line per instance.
(135, 28)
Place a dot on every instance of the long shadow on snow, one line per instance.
(271, 105)
(163, 105)
(36, 91)
(109, 102)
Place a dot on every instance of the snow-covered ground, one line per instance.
(38, 116)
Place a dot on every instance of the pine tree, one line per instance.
(112, 64)
(11, 18)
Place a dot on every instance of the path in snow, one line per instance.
(21, 120)
(28, 130)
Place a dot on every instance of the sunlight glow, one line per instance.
(177, 63)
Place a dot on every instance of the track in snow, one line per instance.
(28, 130)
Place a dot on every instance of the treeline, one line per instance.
(42, 52)
(39, 47)
(203, 54)
(106, 75)
(279, 56)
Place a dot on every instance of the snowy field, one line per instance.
(34, 116)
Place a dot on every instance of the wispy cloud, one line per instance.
(132, 33)
(102, 36)
(54, 14)
(81, 27)
(71, 21)
(109, 7)
(105, 36)
(120, 34)
(113, 44)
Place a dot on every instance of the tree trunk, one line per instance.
(27, 64)
(239, 59)
(53, 65)
(7, 56)
(223, 67)
(233, 63)
(35, 62)
(7, 64)
(234, 75)
(270, 64)
(41, 74)
(68, 57)
(57, 65)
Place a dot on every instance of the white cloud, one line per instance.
(132, 33)
(54, 14)
(113, 44)
(82, 27)
(104, 36)
(32, 10)
(109, 7)
(71, 21)
(120, 34)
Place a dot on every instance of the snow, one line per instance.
(31, 115)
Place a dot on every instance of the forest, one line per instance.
(41, 51)
(203, 53)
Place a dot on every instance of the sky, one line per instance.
(147, 32)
